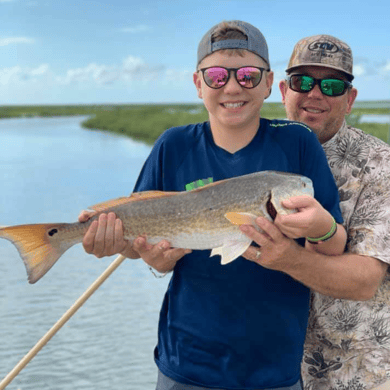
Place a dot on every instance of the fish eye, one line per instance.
(52, 232)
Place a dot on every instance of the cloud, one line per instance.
(136, 29)
(15, 40)
(40, 71)
(17, 74)
(132, 64)
(178, 75)
(9, 75)
(363, 67)
(101, 74)
(384, 69)
(359, 70)
(131, 69)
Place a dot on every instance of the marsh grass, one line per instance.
(47, 111)
(379, 130)
(146, 122)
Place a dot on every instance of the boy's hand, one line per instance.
(161, 256)
(311, 220)
(105, 236)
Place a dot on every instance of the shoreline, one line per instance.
(145, 122)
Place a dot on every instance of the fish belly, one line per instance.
(200, 240)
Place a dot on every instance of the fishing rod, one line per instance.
(61, 322)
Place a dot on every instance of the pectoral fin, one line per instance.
(232, 250)
(238, 218)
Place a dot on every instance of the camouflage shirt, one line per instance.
(348, 342)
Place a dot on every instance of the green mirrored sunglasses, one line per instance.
(329, 87)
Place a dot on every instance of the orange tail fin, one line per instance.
(36, 247)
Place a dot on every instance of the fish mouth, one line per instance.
(274, 203)
(307, 186)
(271, 209)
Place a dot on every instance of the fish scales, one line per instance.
(204, 218)
(190, 214)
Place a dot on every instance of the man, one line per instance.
(238, 326)
(348, 342)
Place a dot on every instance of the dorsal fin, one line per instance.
(151, 194)
(134, 197)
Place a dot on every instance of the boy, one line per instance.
(238, 326)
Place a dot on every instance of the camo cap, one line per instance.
(322, 50)
(255, 42)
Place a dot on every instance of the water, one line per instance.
(372, 104)
(375, 118)
(50, 169)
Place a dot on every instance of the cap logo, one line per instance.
(323, 46)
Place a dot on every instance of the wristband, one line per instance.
(325, 237)
(159, 275)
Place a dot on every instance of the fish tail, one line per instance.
(38, 245)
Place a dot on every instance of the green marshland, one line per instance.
(147, 121)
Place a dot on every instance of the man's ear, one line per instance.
(283, 90)
(351, 99)
(198, 83)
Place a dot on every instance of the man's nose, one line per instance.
(316, 92)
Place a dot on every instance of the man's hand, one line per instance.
(276, 251)
(311, 220)
(161, 256)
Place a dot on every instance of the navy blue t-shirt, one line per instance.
(234, 326)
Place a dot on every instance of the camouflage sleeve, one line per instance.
(369, 224)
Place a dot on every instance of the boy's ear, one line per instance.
(269, 82)
(270, 79)
(198, 83)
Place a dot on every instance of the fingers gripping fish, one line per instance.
(204, 218)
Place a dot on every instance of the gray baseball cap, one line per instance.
(322, 50)
(255, 42)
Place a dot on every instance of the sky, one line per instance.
(126, 51)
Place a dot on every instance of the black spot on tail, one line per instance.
(52, 232)
(271, 209)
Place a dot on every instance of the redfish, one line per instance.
(204, 218)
